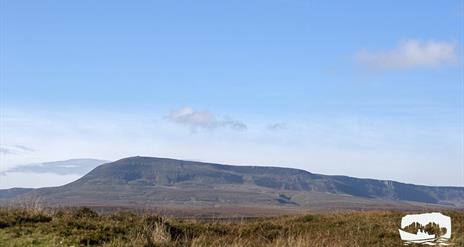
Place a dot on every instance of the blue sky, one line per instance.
(356, 88)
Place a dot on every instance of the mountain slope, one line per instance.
(152, 182)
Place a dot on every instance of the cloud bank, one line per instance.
(411, 54)
(204, 119)
(66, 167)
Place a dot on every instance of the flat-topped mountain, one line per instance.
(158, 182)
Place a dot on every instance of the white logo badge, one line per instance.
(431, 229)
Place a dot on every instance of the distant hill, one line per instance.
(6, 194)
(146, 182)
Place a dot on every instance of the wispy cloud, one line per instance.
(204, 119)
(276, 126)
(411, 54)
(4, 150)
(24, 148)
(14, 149)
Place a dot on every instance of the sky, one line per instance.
(358, 88)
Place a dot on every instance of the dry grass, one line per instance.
(84, 227)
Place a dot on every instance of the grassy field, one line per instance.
(84, 227)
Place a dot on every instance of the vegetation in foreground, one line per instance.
(84, 227)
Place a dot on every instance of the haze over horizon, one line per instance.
(364, 90)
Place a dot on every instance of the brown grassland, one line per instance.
(84, 227)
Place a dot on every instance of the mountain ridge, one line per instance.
(159, 182)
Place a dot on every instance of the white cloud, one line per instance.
(411, 54)
(203, 119)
